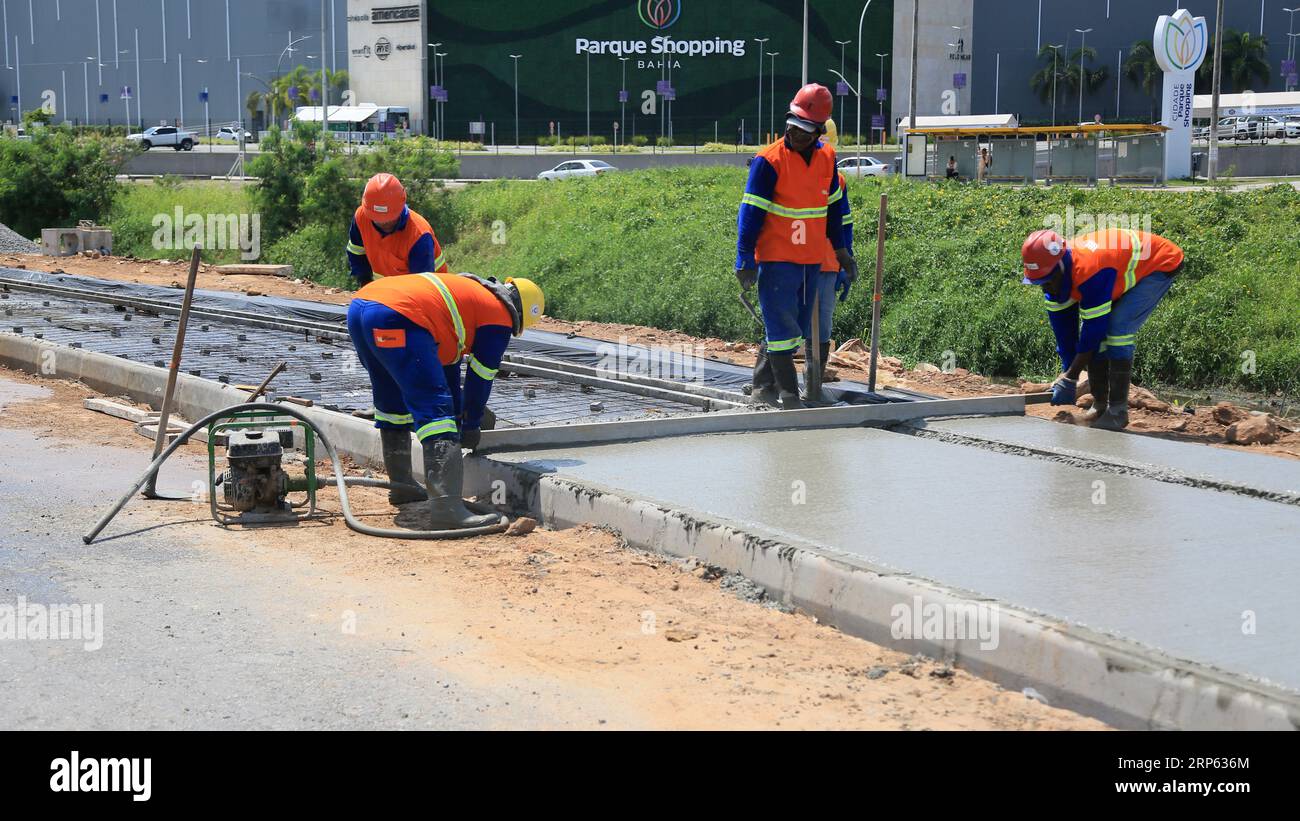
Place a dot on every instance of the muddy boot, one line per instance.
(1099, 381)
(444, 471)
(764, 392)
(1116, 415)
(397, 462)
(787, 381)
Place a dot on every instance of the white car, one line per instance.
(165, 135)
(230, 134)
(867, 167)
(576, 168)
(1293, 128)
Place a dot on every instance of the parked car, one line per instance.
(1292, 125)
(866, 167)
(230, 134)
(165, 135)
(576, 168)
(1271, 128)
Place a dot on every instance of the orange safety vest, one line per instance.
(831, 265)
(1133, 254)
(801, 196)
(449, 306)
(388, 253)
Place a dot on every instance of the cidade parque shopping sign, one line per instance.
(1180, 44)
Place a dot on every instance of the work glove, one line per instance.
(1063, 390)
(842, 285)
(748, 277)
(470, 437)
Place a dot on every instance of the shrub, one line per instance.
(57, 178)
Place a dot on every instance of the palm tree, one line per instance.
(1245, 59)
(1142, 69)
(253, 105)
(1092, 80)
(1041, 81)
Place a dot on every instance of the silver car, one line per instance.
(866, 167)
(576, 168)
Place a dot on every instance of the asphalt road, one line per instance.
(197, 634)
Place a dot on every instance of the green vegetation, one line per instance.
(136, 216)
(657, 248)
(57, 178)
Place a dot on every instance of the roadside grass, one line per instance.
(137, 217)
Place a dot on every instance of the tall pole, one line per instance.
(516, 57)
(758, 124)
(1083, 79)
(861, 18)
(589, 99)
(139, 118)
(99, 47)
(63, 101)
(997, 85)
(1119, 69)
(911, 103)
(1214, 101)
(324, 84)
(771, 103)
(881, 104)
(18, 67)
(239, 99)
(163, 6)
(180, 73)
(804, 75)
(1056, 53)
(117, 49)
(842, 44)
(85, 87)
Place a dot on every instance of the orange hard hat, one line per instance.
(1041, 253)
(813, 103)
(384, 198)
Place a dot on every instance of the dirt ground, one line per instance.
(661, 641)
(1149, 416)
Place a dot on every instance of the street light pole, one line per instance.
(1216, 82)
(842, 44)
(758, 124)
(1290, 42)
(433, 129)
(622, 103)
(861, 18)
(1083, 50)
(516, 57)
(1056, 53)
(771, 103)
(882, 106)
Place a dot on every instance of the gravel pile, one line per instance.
(11, 242)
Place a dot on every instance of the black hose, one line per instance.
(340, 480)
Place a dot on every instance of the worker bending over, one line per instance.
(410, 333)
(783, 226)
(1111, 280)
(387, 238)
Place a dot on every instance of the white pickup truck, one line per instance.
(165, 135)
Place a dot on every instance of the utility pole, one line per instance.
(842, 44)
(324, 85)
(758, 124)
(516, 57)
(1083, 50)
(1214, 102)
(1056, 54)
(911, 104)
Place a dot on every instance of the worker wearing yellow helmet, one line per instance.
(411, 334)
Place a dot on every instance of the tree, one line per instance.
(1245, 60)
(1067, 73)
(253, 105)
(1143, 70)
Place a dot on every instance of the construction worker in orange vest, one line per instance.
(387, 238)
(410, 333)
(1111, 280)
(784, 224)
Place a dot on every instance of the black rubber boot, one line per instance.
(787, 381)
(444, 471)
(764, 391)
(825, 353)
(397, 462)
(1099, 381)
(1116, 415)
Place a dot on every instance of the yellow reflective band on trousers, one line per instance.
(779, 345)
(394, 418)
(1095, 311)
(781, 210)
(356, 249)
(484, 372)
(451, 309)
(435, 428)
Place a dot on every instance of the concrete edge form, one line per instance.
(747, 422)
(1115, 680)
(1121, 682)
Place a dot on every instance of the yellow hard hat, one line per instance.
(531, 298)
(832, 135)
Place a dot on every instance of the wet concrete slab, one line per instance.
(1181, 569)
(1240, 467)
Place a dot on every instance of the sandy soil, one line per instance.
(651, 642)
(1155, 419)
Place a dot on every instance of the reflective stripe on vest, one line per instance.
(451, 309)
(1130, 274)
(781, 210)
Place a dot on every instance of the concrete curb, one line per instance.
(1121, 682)
(1116, 680)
